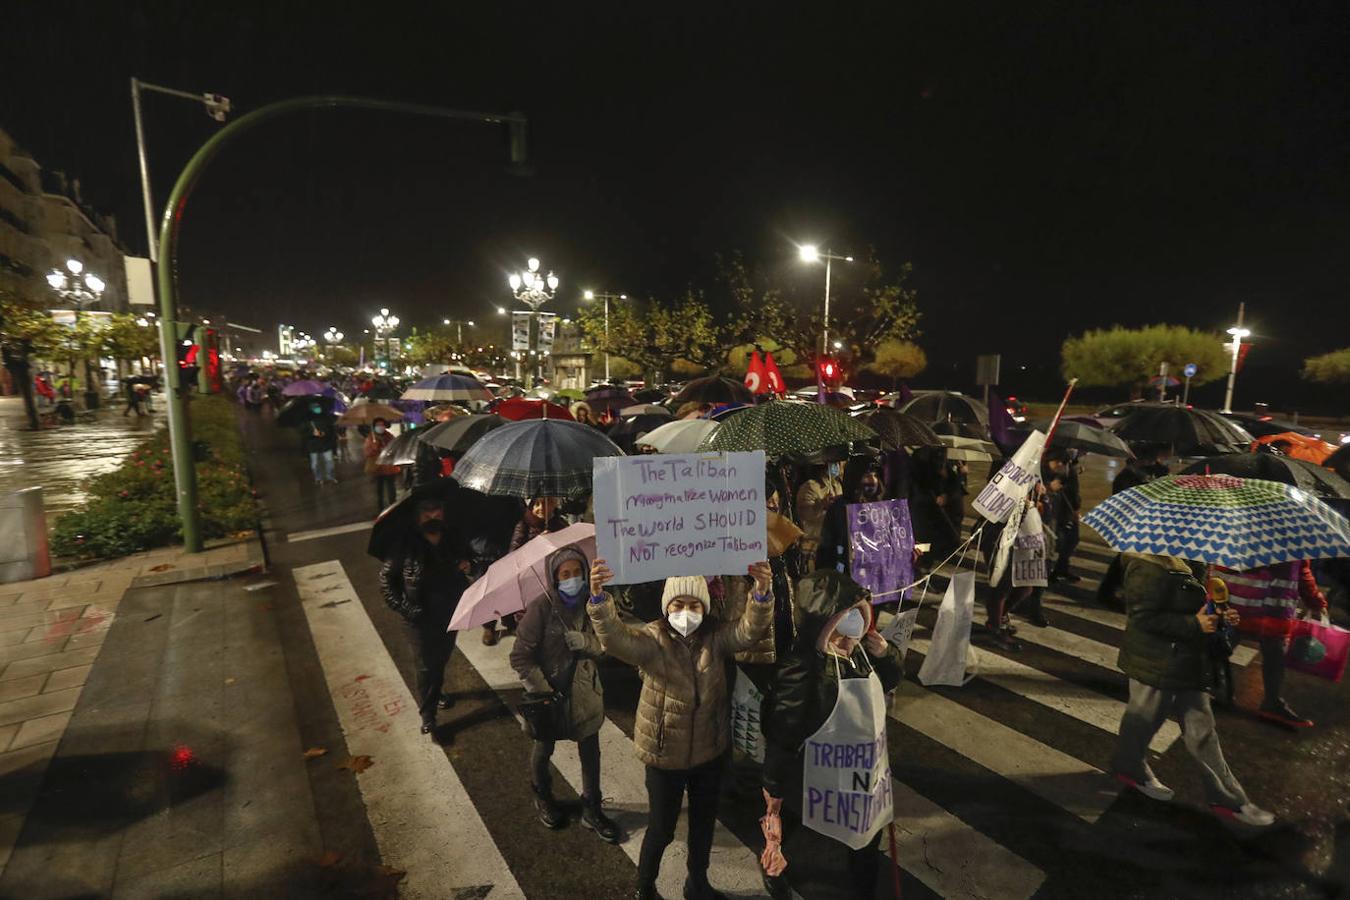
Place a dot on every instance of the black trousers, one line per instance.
(1066, 541)
(432, 646)
(589, 750)
(385, 484)
(665, 795)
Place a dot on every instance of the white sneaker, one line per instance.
(1247, 814)
(1151, 788)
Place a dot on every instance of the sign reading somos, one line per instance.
(690, 514)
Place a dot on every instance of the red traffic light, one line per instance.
(827, 368)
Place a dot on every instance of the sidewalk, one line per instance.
(52, 633)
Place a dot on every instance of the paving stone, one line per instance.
(45, 865)
(22, 687)
(28, 650)
(38, 705)
(6, 733)
(163, 840)
(12, 637)
(200, 877)
(49, 663)
(17, 760)
(92, 638)
(61, 679)
(23, 607)
(10, 826)
(40, 730)
(268, 866)
(114, 727)
(22, 622)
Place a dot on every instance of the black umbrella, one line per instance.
(961, 429)
(1189, 432)
(402, 450)
(1339, 462)
(490, 517)
(625, 431)
(1307, 476)
(383, 390)
(1089, 439)
(898, 429)
(459, 433)
(650, 395)
(535, 458)
(949, 406)
(609, 398)
(714, 389)
(296, 410)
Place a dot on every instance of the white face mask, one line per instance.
(571, 586)
(379, 429)
(852, 625)
(685, 621)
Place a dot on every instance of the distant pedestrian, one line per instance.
(1067, 503)
(1165, 656)
(318, 438)
(134, 397)
(384, 476)
(683, 728)
(422, 580)
(554, 653)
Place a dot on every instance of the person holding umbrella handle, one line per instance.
(683, 728)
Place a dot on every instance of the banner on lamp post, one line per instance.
(520, 331)
(548, 331)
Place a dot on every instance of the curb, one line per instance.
(256, 562)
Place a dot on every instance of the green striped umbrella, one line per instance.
(781, 427)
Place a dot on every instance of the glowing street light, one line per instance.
(78, 288)
(1238, 333)
(534, 290)
(810, 253)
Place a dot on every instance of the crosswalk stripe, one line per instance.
(1069, 783)
(734, 867)
(1073, 700)
(297, 536)
(423, 819)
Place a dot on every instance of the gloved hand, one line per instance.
(772, 859)
(575, 640)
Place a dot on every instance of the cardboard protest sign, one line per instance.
(1028, 552)
(900, 630)
(1010, 484)
(881, 545)
(688, 514)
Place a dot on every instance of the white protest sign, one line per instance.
(900, 630)
(690, 514)
(1010, 484)
(846, 770)
(1028, 553)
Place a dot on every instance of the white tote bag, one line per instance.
(946, 661)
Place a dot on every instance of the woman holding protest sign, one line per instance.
(683, 728)
(828, 697)
(864, 482)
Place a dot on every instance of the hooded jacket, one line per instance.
(1163, 646)
(806, 685)
(543, 662)
(684, 711)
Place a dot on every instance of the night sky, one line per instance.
(1046, 167)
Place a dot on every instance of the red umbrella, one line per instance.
(518, 409)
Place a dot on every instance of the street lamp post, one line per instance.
(1238, 333)
(79, 287)
(459, 328)
(385, 324)
(812, 253)
(333, 337)
(534, 290)
(591, 295)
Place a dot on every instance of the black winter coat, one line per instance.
(422, 581)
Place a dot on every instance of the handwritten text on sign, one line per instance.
(1011, 484)
(847, 789)
(691, 514)
(881, 544)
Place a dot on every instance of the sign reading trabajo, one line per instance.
(690, 514)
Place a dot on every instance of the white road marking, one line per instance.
(297, 536)
(423, 819)
(1069, 783)
(734, 868)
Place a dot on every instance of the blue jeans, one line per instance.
(321, 464)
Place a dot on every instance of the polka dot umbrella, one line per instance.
(781, 428)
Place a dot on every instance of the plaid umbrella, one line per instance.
(1189, 432)
(458, 434)
(1221, 520)
(608, 397)
(442, 388)
(898, 429)
(781, 427)
(714, 389)
(680, 436)
(535, 458)
(1269, 467)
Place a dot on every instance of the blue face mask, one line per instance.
(570, 589)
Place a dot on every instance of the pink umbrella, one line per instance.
(518, 577)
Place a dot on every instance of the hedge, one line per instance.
(135, 507)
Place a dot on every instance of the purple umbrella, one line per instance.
(303, 388)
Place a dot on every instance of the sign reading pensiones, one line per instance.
(657, 516)
(846, 788)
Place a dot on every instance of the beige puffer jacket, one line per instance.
(684, 711)
(736, 594)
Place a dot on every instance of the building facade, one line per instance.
(43, 223)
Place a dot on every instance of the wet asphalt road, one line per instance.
(1136, 849)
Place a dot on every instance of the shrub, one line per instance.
(134, 507)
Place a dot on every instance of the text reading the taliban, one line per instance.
(691, 514)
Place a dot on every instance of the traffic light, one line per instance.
(831, 373)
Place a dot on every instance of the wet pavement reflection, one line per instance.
(59, 459)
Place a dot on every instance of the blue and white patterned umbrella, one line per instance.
(1240, 523)
(443, 388)
(535, 458)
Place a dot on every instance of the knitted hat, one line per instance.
(695, 586)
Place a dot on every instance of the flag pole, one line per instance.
(1059, 412)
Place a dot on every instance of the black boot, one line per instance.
(646, 891)
(595, 819)
(549, 814)
(696, 887)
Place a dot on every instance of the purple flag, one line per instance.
(881, 545)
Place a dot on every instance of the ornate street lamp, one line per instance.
(534, 290)
(78, 287)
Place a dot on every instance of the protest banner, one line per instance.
(1028, 552)
(688, 514)
(846, 769)
(881, 545)
(1010, 484)
(900, 630)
